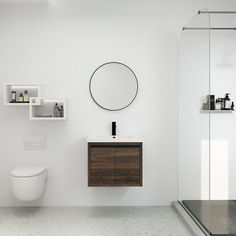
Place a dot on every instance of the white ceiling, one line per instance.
(22, 2)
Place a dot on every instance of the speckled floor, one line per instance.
(92, 221)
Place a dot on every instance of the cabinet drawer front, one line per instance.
(114, 164)
(128, 166)
(101, 166)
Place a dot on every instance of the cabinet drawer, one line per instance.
(101, 166)
(128, 166)
(115, 164)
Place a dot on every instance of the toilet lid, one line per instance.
(28, 171)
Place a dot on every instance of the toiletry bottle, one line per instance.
(208, 102)
(62, 112)
(227, 102)
(58, 111)
(211, 102)
(21, 98)
(218, 104)
(204, 106)
(55, 110)
(13, 96)
(222, 103)
(26, 96)
(232, 106)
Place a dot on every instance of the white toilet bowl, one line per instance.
(28, 183)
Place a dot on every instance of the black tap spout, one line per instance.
(113, 128)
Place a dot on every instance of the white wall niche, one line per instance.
(42, 108)
(33, 90)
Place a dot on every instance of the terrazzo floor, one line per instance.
(92, 221)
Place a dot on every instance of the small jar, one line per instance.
(21, 98)
(26, 96)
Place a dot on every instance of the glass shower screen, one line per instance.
(194, 114)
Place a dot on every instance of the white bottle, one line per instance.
(55, 110)
(218, 104)
(62, 112)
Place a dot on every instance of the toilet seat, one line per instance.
(23, 172)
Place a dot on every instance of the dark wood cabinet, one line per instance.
(114, 164)
(102, 166)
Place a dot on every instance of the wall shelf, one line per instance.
(33, 91)
(39, 108)
(216, 111)
(42, 109)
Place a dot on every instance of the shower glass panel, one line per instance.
(194, 113)
(223, 134)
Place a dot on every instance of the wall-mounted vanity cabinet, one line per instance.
(115, 164)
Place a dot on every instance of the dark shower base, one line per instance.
(216, 217)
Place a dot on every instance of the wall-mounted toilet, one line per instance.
(28, 183)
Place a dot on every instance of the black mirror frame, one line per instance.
(90, 89)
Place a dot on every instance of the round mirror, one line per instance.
(113, 86)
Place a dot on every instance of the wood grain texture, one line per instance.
(114, 164)
(127, 171)
(102, 166)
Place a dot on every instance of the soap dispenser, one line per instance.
(227, 102)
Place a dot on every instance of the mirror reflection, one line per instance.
(113, 86)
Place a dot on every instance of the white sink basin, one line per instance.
(109, 139)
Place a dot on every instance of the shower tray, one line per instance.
(217, 217)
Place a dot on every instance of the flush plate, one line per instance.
(34, 142)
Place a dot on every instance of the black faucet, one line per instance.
(113, 129)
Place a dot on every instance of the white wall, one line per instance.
(60, 46)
